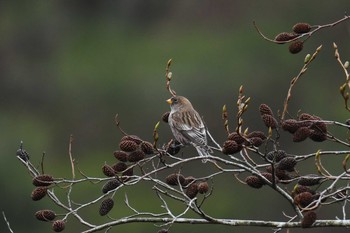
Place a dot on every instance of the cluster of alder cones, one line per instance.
(282, 168)
(132, 149)
(298, 30)
(192, 186)
(42, 183)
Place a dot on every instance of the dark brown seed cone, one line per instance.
(254, 182)
(174, 148)
(296, 47)
(236, 137)
(231, 147)
(42, 180)
(22, 154)
(108, 170)
(58, 225)
(110, 185)
(165, 117)
(301, 134)
(306, 116)
(163, 231)
(264, 109)
(300, 189)
(136, 156)
(276, 156)
(119, 167)
(285, 36)
(303, 199)
(188, 180)
(258, 134)
(301, 28)
(45, 215)
(317, 136)
(192, 190)
(255, 141)
(309, 218)
(203, 187)
(38, 193)
(280, 174)
(128, 146)
(269, 121)
(147, 147)
(121, 155)
(128, 172)
(133, 138)
(319, 126)
(174, 179)
(268, 176)
(310, 180)
(287, 164)
(106, 206)
(291, 125)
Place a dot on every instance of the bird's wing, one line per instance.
(191, 127)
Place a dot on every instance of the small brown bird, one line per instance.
(187, 125)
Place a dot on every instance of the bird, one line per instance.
(187, 126)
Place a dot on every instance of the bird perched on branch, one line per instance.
(187, 125)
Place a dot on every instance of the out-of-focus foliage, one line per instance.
(67, 67)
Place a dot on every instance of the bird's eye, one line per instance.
(175, 100)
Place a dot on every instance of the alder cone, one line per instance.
(303, 199)
(106, 206)
(231, 147)
(42, 180)
(121, 156)
(317, 136)
(265, 110)
(45, 215)
(133, 138)
(192, 190)
(309, 218)
(256, 141)
(235, 137)
(188, 180)
(287, 164)
(58, 225)
(301, 134)
(147, 148)
(291, 125)
(108, 170)
(285, 36)
(269, 121)
(276, 155)
(128, 145)
(254, 182)
(39, 193)
(310, 180)
(301, 28)
(300, 189)
(174, 179)
(257, 134)
(203, 187)
(110, 185)
(296, 47)
(119, 167)
(136, 156)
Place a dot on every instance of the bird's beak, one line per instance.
(169, 101)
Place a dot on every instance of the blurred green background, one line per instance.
(67, 67)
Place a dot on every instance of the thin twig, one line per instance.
(7, 222)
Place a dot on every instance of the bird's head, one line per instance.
(177, 102)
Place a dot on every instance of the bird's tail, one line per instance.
(204, 152)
